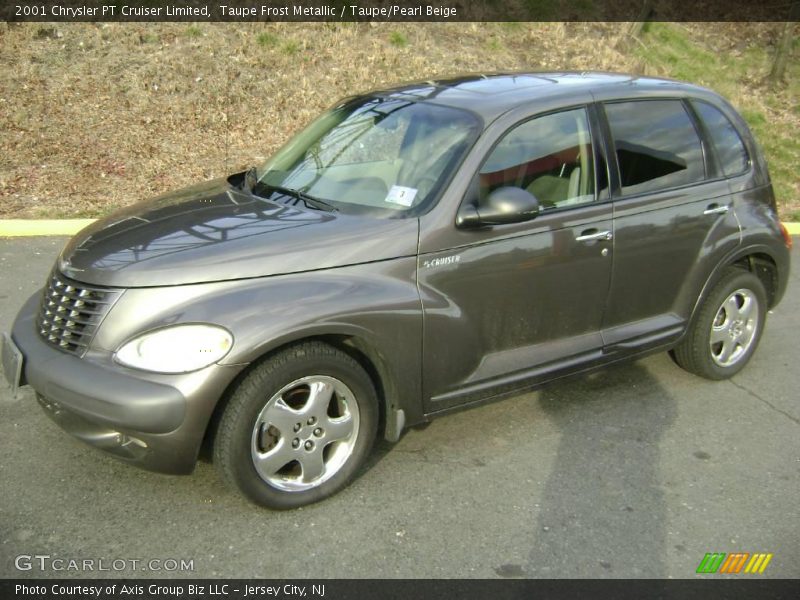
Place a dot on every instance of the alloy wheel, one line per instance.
(305, 433)
(734, 327)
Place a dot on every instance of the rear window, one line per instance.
(728, 146)
(656, 145)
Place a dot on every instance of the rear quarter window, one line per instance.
(728, 146)
(656, 145)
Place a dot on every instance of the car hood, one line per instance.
(216, 232)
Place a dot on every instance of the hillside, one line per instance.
(96, 116)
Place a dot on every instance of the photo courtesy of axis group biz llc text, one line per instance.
(175, 590)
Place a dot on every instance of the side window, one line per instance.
(729, 147)
(656, 144)
(550, 156)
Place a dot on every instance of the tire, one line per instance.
(727, 327)
(298, 427)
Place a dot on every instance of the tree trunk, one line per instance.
(778, 72)
(632, 30)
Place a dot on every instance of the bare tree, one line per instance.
(778, 72)
(631, 30)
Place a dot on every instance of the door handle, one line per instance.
(590, 235)
(716, 209)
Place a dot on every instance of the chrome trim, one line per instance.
(71, 312)
(593, 237)
(717, 210)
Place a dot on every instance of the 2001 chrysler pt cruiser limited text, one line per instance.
(413, 251)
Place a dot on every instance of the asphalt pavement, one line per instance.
(634, 471)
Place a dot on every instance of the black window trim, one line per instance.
(602, 132)
(713, 167)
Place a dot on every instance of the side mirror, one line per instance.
(504, 205)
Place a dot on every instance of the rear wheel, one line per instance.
(727, 328)
(298, 427)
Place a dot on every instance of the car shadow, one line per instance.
(603, 512)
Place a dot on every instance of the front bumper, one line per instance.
(154, 421)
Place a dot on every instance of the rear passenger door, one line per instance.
(672, 220)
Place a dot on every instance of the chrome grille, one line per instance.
(71, 312)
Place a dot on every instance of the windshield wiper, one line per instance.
(308, 199)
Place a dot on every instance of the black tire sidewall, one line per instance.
(260, 386)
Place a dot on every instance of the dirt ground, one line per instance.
(97, 116)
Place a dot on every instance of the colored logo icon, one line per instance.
(733, 563)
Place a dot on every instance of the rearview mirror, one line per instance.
(502, 206)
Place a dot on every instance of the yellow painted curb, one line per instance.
(28, 227)
(32, 227)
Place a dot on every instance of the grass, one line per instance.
(291, 47)
(143, 108)
(265, 39)
(513, 26)
(494, 44)
(148, 38)
(397, 39)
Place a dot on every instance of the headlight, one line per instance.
(176, 349)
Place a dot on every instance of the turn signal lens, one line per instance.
(787, 238)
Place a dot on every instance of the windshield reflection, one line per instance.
(376, 155)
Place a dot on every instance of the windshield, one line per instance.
(380, 156)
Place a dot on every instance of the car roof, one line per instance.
(490, 95)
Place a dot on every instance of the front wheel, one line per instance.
(298, 427)
(727, 329)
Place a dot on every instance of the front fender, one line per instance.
(376, 304)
